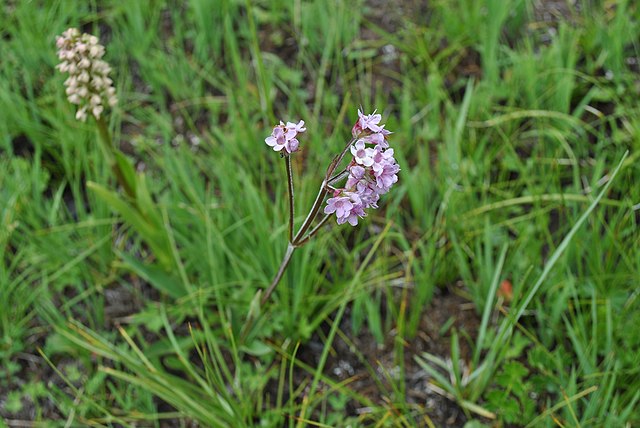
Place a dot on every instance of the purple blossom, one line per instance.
(370, 121)
(356, 173)
(386, 175)
(372, 171)
(357, 211)
(341, 205)
(292, 145)
(379, 156)
(284, 136)
(378, 139)
(367, 123)
(298, 127)
(276, 139)
(368, 194)
(347, 208)
(362, 155)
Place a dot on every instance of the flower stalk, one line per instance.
(371, 172)
(291, 197)
(283, 266)
(91, 89)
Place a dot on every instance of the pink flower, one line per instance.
(298, 127)
(379, 157)
(366, 123)
(368, 194)
(347, 208)
(362, 155)
(356, 212)
(284, 136)
(378, 138)
(276, 139)
(386, 175)
(372, 171)
(356, 173)
(341, 205)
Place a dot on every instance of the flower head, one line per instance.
(372, 171)
(366, 123)
(347, 208)
(88, 85)
(362, 154)
(284, 136)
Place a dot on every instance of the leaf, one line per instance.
(127, 170)
(512, 377)
(257, 348)
(130, 214)
(519, 342)
(144, 219)
(155, 276)
(504, 404)
(475, 424)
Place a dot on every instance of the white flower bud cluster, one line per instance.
(88, 85)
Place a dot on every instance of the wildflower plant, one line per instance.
(88, 85)
(91, 89)
(370, 173)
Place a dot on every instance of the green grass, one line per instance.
(508, 130)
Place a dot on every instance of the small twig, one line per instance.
(312, 213)
(335, 164)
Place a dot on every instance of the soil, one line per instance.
(369, 366)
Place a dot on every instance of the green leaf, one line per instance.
(519, 342)
(14, 402)
(475, 424)
(504, 405)
(127, 169)
(156, 276)
(257, 348)
(144, 219)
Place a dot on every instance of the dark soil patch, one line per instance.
(373, 368)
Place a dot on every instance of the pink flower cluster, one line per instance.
(284, 136)
(88, 85)
(372, 171)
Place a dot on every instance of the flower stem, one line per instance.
(312, 213)
(315, 230)
(291, 198)
(342, 174)
(300, 239)
(283, 266)
(321, 194)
